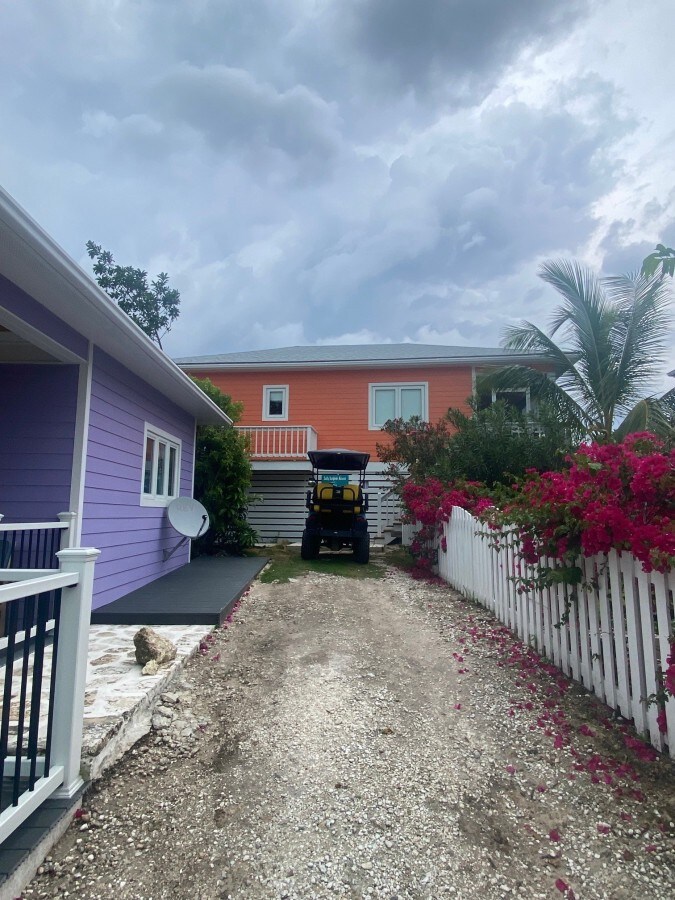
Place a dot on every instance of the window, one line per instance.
(275, 402)
(396, 401)
(161, 468)
(519, 400)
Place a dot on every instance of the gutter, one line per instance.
(32, 260)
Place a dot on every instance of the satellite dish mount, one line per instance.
(189, 518)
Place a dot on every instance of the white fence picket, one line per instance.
(612, 633)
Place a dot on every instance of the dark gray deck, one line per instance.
(201, 593)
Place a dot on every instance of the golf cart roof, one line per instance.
(339, 459)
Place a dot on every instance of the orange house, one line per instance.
(297, 399)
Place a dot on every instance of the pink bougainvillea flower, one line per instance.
(662, 721)
(585, 730)
(562, 885)
(511, 769)
(603, 828)
(650, 848)
(554, 835)
(458, 705)
(541, 788)
(626, 816)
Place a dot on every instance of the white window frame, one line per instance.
(397, 386)
(267, 389)
(160, 436)
(523, 390)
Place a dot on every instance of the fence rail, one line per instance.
(279, 441)
(612, 634)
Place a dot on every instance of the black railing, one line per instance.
(22, 548)
(25, 721)
(34, 548)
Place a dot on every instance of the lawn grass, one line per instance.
(286, 564)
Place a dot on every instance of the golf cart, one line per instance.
(336, 507)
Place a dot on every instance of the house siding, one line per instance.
(37, 434)
(20, 304)
(131, 537)
(335, 401)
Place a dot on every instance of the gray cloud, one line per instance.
(343, 170)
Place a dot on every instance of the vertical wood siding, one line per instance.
(131, 537)
(335, 401)
(37, 432)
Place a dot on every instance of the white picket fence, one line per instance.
(613, 638)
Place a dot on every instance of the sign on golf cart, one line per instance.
(335, 478)
(336, 516)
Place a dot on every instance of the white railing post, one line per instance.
(71, 666)
(69, 519)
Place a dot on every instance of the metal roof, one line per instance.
(357, 354)
(33, 261)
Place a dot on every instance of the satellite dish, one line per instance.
(189, 518)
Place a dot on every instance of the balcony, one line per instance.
(289, 442)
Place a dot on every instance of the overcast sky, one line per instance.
(344, 171)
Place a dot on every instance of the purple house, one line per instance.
(94, 418)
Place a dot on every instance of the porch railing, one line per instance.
(279, 441)
(384, 509)
(31, 546)
(43, 671)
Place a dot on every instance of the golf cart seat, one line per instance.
(328, 499)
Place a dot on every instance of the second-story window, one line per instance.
(397, 401)
(275, 402)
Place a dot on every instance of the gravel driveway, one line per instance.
(371, 738)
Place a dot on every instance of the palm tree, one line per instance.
(614, 334)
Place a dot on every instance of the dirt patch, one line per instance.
(367, 739)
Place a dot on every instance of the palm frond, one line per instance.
(648, 414)
(543, 390)
(643, 319)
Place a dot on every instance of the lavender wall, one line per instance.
(33, 313)
(131, 537)
(37, 431)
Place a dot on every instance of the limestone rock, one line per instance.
(152, 646)
(150, 668)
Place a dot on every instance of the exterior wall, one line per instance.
(335, 401)
(15, 301)
(37, 431)
(278, 511)
(131, 537)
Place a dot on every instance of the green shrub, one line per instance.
(222, 479)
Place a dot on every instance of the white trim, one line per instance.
(397, 386)
(422, 362)
(33, 261)
(171, 442)
(267, 388)
(23, 330)
(79, 469)
(192, 480)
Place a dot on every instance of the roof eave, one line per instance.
(42, 269)
(367, 364)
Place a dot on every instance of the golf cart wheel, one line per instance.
(362, 548)
(311, 543)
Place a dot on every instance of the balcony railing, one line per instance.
(279, 441)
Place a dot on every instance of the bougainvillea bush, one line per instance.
(610, 496)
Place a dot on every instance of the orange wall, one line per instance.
(335, 401)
